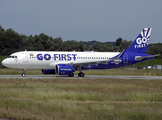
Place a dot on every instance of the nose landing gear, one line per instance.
(23, 74)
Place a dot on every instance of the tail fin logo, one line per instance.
(143, 39)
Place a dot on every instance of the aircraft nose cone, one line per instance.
(5, 62)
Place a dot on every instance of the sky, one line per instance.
(83, 20)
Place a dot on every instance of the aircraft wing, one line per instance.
(92, 62)
(95, 63)
(83, 63)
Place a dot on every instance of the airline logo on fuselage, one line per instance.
(66, 57)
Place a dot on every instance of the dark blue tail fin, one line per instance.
(140, 44)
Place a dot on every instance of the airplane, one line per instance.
(66, 63)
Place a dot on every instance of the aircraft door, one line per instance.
(125, 58)
(25, 58)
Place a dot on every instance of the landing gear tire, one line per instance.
(23, 75)
(81, 74)
(72, 75)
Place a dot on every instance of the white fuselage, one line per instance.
(49, 59)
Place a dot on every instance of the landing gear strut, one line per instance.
(23, 74)
(81, 74)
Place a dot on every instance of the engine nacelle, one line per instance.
(64, 69)
(48, 71)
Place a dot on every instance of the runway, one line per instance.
(76, 77)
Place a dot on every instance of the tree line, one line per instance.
(11, 41)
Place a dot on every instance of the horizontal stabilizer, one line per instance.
(138, 58)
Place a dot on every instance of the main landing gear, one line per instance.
(23, 74)
(81, 74)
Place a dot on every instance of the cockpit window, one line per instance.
(12, 57)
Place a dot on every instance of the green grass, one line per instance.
(80, 99)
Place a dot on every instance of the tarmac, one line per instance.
(76, 77)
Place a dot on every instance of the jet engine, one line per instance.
(64, 69)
